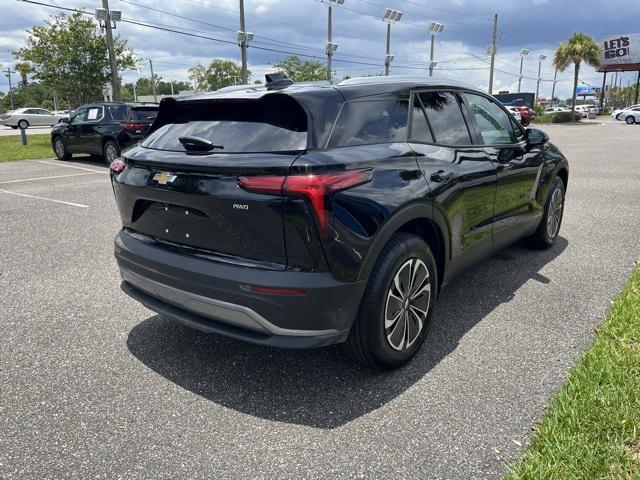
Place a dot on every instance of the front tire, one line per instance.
(60, 149)
(630, 120)
(547, 232)
(395, 312)
(110, 151)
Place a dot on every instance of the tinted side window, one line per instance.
(447, 123)
(79, 116)
(371, 121)
(420, 131)
(117, 112)
(494, 123)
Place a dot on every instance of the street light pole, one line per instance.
(523, 53)
(243, 44)
(541, 58)
(390, 16)
(115, 80)
(434, 28)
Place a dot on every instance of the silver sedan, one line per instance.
(30, 117)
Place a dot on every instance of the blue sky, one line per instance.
(299, 26)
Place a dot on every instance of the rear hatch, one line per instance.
(140, 119)
(180, 186)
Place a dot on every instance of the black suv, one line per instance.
(311, 214)
(102, 128)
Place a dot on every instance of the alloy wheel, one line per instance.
(407, 304)
(555, 214)
(59, 148)
(111, 153)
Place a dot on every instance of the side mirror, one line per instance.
(536, 138)
(64, 120)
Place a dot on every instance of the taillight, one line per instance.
(117, 166)
(133, 127)
(316, 188)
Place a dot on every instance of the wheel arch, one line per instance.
(419, 220)
(564, 176)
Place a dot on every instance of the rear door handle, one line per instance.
(441, 176)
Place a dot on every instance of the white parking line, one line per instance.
(44, 178)
(72, 166)
(43, 198)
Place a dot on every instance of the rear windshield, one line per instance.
(147, 115)
(238, 126)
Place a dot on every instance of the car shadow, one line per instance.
(322, 388)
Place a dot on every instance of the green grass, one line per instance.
(592, 427)
(38, 146)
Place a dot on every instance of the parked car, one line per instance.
(516, 113)
(102, 128)
(583, 110)
(556, 109)
(630, 115)
(617, 113)
(306, 215)
(527, 114)
(30, 117)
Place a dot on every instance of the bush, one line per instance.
(558, 117)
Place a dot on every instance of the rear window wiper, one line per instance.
(198, 144)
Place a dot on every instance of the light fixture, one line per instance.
(524, 52)
(331, 48)
(391, 15)
(435, 28)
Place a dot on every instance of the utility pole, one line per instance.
(135, 96)
(390, 16)
(434, 28)
(8, 75)
(243, 44)
(331, 47)
(494, 39)
(541, 59)
(553, 89)
(55, 100)
(153, 82)
(115, 80)
(523, 53)
(171, 83)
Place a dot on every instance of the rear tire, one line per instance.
(23, 124)
(110, 151)
(525, 122)
(395, 312)
(60, 149)
(630, 120)
(547, 232)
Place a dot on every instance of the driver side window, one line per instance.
(79, 117)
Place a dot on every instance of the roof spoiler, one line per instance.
(275, 81)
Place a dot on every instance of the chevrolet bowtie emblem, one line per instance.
(164, 177)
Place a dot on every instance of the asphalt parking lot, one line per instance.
(93, 385)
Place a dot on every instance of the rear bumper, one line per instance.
(214, 297)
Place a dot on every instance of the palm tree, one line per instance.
(24, 69)
(579, 48)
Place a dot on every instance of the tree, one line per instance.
(24, 69)
(219, 74)
(301, 70)
(144, 87)
(70, 55)
(579, 48)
